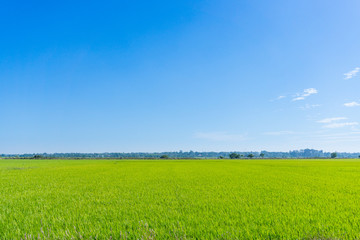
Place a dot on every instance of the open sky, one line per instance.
(123, 76)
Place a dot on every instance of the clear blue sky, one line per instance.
(122, 76)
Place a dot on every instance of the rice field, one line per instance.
(179, 199)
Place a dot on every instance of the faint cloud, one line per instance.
(329, 120)
(334, 122)
(344, 136)
(298, 98)
(279, 133)
(352, 73)
(340, 125)
(218, 136)
(352, 104)
(305, 94)
(310, 106)
(278, 98)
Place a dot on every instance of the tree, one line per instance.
(262, 155)
(250, 155)
(164, 156)
(333, 155)
(221, 157)
(234, 155)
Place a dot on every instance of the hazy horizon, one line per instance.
(178, 151)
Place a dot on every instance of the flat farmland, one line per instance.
(179, 199)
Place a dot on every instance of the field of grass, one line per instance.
(188, 199)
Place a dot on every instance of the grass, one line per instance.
(189, 199)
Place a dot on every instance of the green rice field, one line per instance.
(179, 199)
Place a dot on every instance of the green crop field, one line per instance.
(173, 199)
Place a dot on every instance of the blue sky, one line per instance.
(123, 76)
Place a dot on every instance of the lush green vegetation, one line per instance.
(218, 199)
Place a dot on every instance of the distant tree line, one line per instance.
(305, 153)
